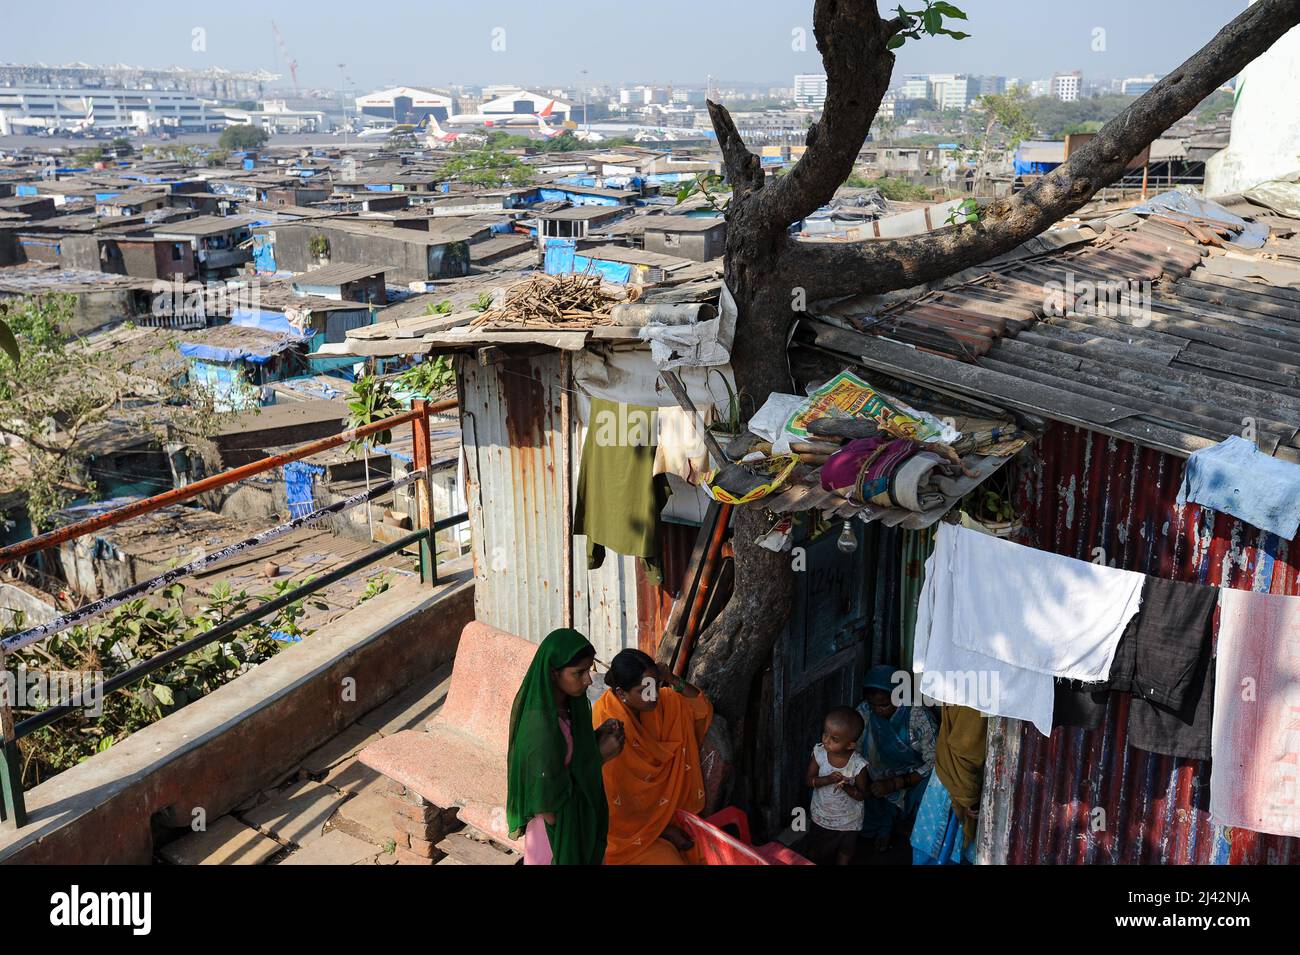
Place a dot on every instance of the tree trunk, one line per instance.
(770, 275)
(739, 642)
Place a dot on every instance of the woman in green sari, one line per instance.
(555, 794)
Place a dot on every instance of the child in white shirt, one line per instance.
(837, 776)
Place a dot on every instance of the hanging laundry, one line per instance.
(952, 674)
(681, 448)
(1081, 705)
(1237, 478)
(619, 498)
(1164, 661)
(1039, 611)
(1255, 772)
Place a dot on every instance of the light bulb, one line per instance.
(847, 542)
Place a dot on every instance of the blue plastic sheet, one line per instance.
(1179, 205)
(267, 321)
(299, 487)
(618, 272)
(559, 256)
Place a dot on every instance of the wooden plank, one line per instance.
(672, 635)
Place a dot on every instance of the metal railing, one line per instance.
(12, 806)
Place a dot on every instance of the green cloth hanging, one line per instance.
(619, 497)
(537, 779)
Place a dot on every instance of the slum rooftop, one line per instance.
(1177, 365)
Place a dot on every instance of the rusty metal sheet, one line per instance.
(1086, 797)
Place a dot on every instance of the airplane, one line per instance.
(435, 137)
(51, 126)
(545, 131)
(376, 132)
(500, 119)
(549, 132)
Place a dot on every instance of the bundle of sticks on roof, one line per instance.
(580, 300)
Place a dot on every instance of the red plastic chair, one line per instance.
(715, 846)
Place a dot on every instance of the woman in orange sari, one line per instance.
(658, 772)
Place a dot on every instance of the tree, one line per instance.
(486, 167)
(1007, 125)
(60, 392)
(767, 269)
(243, 137)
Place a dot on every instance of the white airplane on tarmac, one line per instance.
(435, 137)
(499, 120)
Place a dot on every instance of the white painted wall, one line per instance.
(1265, 141)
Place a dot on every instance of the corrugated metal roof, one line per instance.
(1176, 365)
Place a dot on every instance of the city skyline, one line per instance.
(1108, 40)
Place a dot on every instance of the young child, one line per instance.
(837, 775)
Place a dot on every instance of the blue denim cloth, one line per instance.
(937, 836)
(1236, 478)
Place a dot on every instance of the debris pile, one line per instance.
(549, 301)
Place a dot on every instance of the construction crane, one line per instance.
(284, 55)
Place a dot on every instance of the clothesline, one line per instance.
(999, 624)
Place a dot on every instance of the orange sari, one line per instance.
(657, 773)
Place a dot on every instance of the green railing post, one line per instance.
(13, 811)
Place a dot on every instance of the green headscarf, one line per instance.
(538, 781)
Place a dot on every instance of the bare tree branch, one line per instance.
(743, 169)
(852, 40)
(831, 269)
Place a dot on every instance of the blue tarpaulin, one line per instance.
(577, 198)
(267, 321)
(1024, 168)
(619, 272)
(263, 253)
(229, 356)
(299, 487)
(559, 256)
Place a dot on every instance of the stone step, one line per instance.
(352, 776)
(333, 848)
(367, 817)
(469, 851)
(297, 814)
(226, 842)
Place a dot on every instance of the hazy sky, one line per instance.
(437, 42)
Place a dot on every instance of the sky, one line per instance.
(526, 42)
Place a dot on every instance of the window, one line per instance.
(177, 252)
(672, 240)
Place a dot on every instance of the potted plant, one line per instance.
(319, 246)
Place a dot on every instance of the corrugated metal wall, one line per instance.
(1085, 491)
(513, 436)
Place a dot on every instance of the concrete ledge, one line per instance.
(245, 736)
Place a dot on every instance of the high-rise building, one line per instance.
(1137, 85)
(953, 90)
(915, 86)
(810, 90)
(1067, 86)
